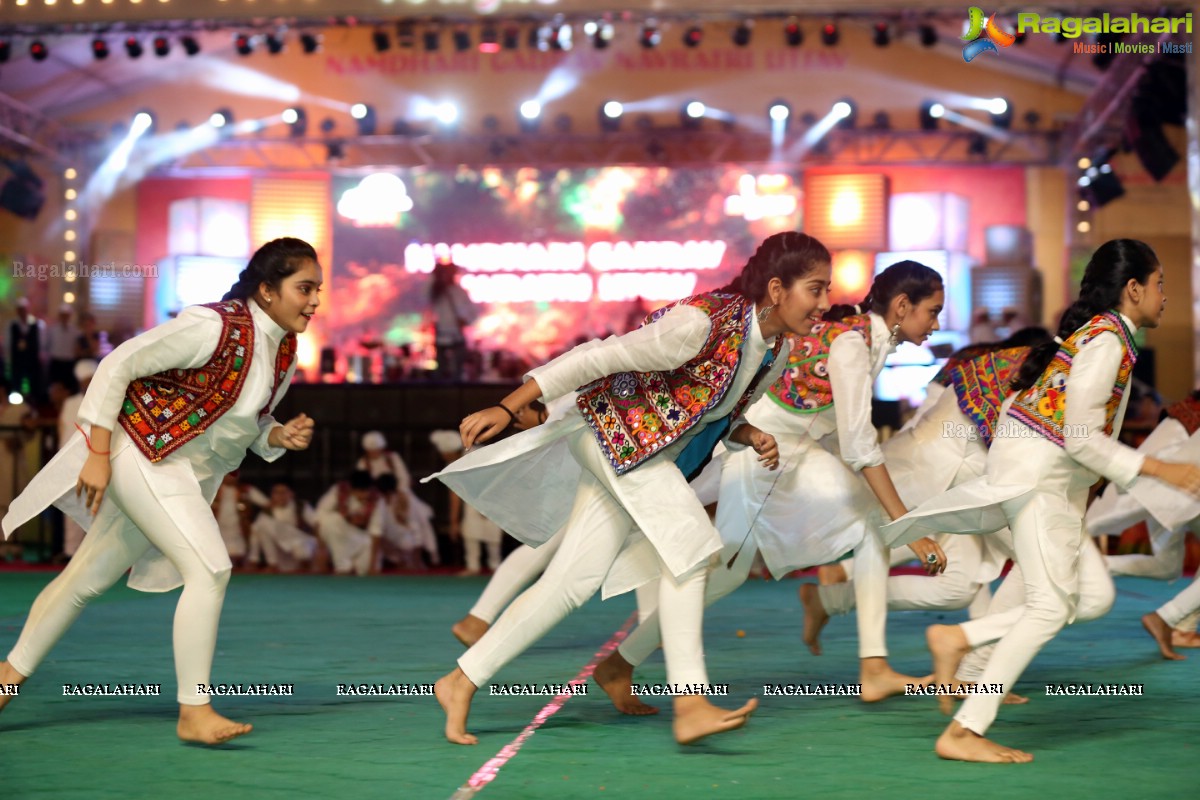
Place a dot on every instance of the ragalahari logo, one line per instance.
(983, 35)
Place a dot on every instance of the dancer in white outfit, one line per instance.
(653, 404)
(818, 507)
(85, 368)
(167, 415)
(1058, 435)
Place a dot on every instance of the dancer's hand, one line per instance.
(296, 434)
(1184, 476)
(93, 480)
(923, 548)
(763, 443)
(483, 425)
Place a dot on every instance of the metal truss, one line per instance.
(26, 130)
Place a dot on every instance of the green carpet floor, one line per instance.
(316, 632)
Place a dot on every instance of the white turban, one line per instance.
(84, 369)
(447, 441)
(373, 440)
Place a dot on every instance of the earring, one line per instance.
(894, 339)
(268, 301)
(765, 312)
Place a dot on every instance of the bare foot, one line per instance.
(469, 630)
(454, 693)
(959, 744)
(615, 676)
(814, 616)
(948, 645)
(9, 680)
(202, 725)
(1157, 627)
(696, 718)
(1185, 638)
(879, 681)
(831, 573)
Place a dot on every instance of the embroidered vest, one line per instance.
(804, 386)
(981, 384)
(1187, 411)
(362, 517)
(163, 412)
(956, 358)
(635, 414)
(1043, 406)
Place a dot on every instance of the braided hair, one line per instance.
(910, 278)
(1111, 268)
(270, 264)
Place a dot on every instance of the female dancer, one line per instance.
(653, 404)
(166, 416)
(1058, 435)
(817, 508)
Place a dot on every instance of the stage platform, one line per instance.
(317, 632)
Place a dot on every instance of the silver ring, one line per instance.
(932, 558)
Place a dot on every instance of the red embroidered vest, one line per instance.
(163, 412)
(1043, 406)
(980, 385)
(635, 414)
(804, 386)
(1187, 411)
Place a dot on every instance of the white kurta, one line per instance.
(526, 484)
(186, 342)
(814, 508)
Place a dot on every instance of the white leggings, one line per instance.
(518, 570)
(1183, 605)
(1023, 630)
(131, 520)
(594, 535)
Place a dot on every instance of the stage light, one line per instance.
(221, 118)
(651, 36)
(531, 109)
(882, 36)
(830, 34)
(1032, 119)
(366, 118)
(779, 111)
(1019, 38)
(243, 45)
(742, 33)
(928, 35)
(99, 49)
(845, 112)
(562, 37)
(977, 145)
(297, 121)
(793, 34)
(693, 36)
(274, 44)
(335, 151)
(190, 45)
(431, 39)
(381, 41)
(133, 48)
(692, 114)
(446, 113)
(462, 39)
(406, 34)
(162, 46)
(5, 50)
(510, 38)
(881, 121)
(1001, 113)
(489, 38)
(610, 115)
(1084, 163)
(602, 36)
(929, 115)
(38, 50)
(310, 43)
(143, 122)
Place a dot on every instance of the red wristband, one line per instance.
(88, 442)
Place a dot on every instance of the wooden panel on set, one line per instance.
(847, 212)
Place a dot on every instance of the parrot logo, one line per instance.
(983, 35)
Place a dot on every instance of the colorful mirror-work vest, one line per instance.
(804, 385)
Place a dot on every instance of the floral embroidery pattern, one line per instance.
(980, 385)
(804, 386)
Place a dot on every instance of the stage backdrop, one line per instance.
(552, 256)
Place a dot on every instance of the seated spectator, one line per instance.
(475, 530)
(350, 523)
(284, 533)
(378, 460)
(400, 544)
(234, 507)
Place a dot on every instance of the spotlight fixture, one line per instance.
(446, 114)
(190, 45)
(610, 115)
(793, 34)
(693, 36)
(530, 113)
(691, 115)
(99, 49)
(489, 38)
(381, 41)
(882, 36)
(651, 36)
(143, 122)
(462, 39)
(929, 115)
(510, 38)
(431, 39)
(928, 35)
(243, 45)
(297, 121)
(310, 43)
(881, 121)
(562, 37)
(274, 43)
(366, 118)
(977, 145)
(1001, 113)
(38, 50)
(162, 46)
(406, 36)
(327, 126)
(602, 35)
(133, 48)
(830, 34)
(780, 114)
(845, 111)
(1032, 119)
(742, 33)
(221, 119)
